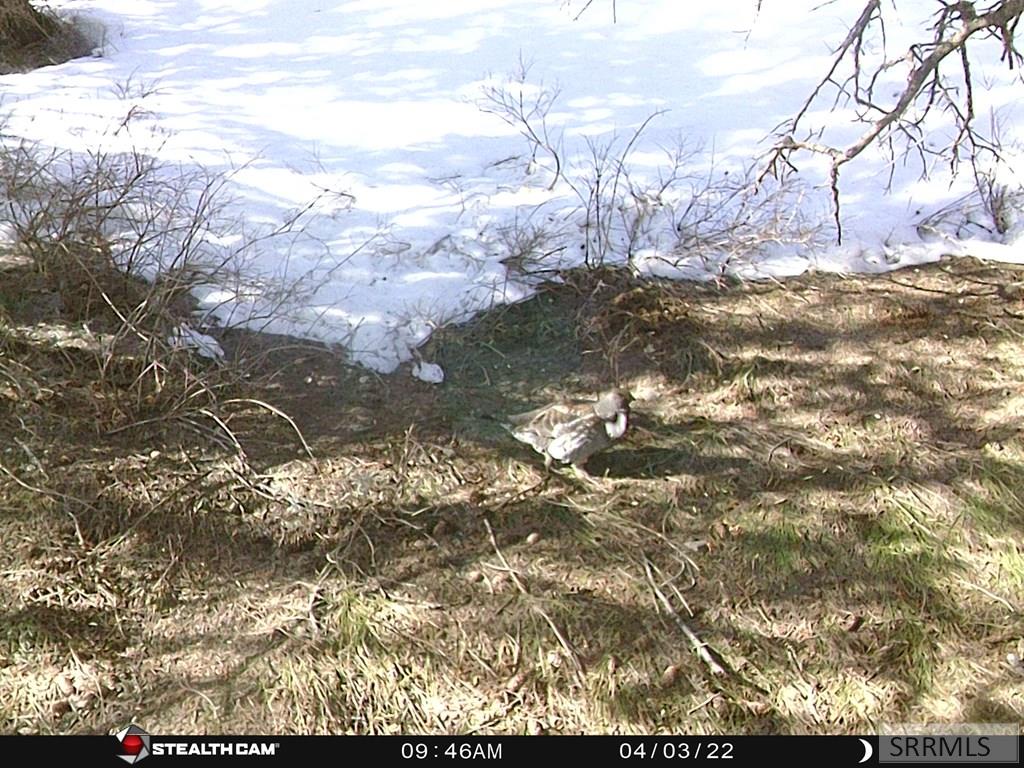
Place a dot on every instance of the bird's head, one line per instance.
(613, 403)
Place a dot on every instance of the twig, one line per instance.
(281, 414)
(226, 429)
(702, 649)
(1010, 606)
(703, 704)
(514, 575)
(56, 495)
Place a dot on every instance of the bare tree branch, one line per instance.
(955, 24)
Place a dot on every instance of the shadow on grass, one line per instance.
(779, 478)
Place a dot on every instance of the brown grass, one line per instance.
(33, 37)
(823, 481)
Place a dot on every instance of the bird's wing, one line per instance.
(536, 428)
(544, 416)
(536, 440)
(578, 439)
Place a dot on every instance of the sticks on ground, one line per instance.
(705, 652)
(514, 575)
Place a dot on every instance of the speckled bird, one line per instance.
(570, 432)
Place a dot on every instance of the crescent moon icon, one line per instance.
(868, 750)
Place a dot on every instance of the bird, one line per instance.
(570, 432)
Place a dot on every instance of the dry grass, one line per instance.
(32, 37)
(823, 482)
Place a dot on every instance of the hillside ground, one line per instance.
(822, 493)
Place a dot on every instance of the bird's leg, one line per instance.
(594, 482)
(547, 475)
(583, 476)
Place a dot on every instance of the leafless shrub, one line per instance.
(859, 79)
(994, 207)
(96, 226)
(675, 210)
(1001, 202)
(1000, 190)
(726, 220)
(532, 248)
(126, 242)
(616, 208)
(526, 107)
(600, 179)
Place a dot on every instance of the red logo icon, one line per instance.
(134, 744)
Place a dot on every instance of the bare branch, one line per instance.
(955, 24)
(1000, 18)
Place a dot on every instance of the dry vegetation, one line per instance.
(815, 525)
(823, 483)
(31, 37)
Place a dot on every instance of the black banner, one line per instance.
(137, 746)
(134, 745)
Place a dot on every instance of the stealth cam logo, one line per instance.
(135, 744)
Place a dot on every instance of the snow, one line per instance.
(432, 373)
(375, 195)
(204, 345)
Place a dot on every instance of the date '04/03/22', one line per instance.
(672, 750)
